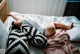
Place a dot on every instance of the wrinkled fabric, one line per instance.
(60, 44)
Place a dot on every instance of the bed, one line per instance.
(8, 21)
(41, 20)
(3, 10)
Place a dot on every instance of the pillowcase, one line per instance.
(74, 33)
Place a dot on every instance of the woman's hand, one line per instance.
(62, 26)
(18, 22)
(17, 19)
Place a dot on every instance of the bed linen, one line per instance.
(38, 21)
(20, 37)
(59, 43)
(62, 47)
(32, 49)
(48, 19)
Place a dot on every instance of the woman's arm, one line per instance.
(28, 21)
(62, 26)
(14, 17)
(17, 22)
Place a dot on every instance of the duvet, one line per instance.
(60, 44)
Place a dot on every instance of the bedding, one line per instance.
(20, 37)
(59, 43)
(33, 50)
(40, 21)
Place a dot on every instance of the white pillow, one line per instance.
(3, 36)
(74, 33)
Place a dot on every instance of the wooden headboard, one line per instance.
(3, 10)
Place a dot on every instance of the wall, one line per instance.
(43, 7)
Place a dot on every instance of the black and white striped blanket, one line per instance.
(20, 37)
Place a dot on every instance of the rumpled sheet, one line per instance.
(60, 44)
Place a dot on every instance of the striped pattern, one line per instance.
(35, 37)
(19, 39)
(17, 42)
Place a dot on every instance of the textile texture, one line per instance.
(20, 37)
